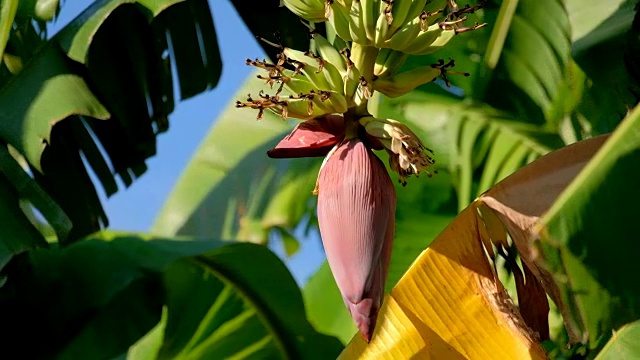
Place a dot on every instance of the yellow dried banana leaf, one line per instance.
(450, 304)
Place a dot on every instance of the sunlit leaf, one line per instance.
(613, 42)
(592, 20)
(452, 271)
(8, 9)
(623, 343)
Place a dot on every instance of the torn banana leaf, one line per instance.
(449, 305)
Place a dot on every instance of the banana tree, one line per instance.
(186, 293)
(533, 87)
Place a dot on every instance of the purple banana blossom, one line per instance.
(356, 213)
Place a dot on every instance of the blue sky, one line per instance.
(135, 208)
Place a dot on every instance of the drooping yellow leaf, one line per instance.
(450, 304)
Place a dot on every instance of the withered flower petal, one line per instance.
(311, 138)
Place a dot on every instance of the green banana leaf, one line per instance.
(216, 303)
(608, 19)
(553, 90)
(8, 11)
(587, 238)
(526, 56)
(485, 139)
(606, 48)
(623, 343)
(232, 190)
(97, 94)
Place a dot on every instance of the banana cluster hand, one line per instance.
(407, 154)
(410, 26)
(373, 40)
(317, 84)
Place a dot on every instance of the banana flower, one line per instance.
(356, 211)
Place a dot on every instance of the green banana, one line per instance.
(312, 67)
(338, 43)
(13, 63)
(317, 79)
(299, 108)
(399, 11)
(46, 10)
(311, 10)
(404, 36)
(329, 53)
(382, 30)
(400, 84)
(379, 68)
(415, 10)
(296, 84)
(388, 62)
(300, 86)
(424, 39)
(339, 20)
(338, 102)
(299, 56)
(369, 16)
(364, 58)
(351, 78)
(356, 24)
(8, 10)
(334, 65)
(438, 43)
(323, 77)
(344, 3)
(333, 76)
(432, 6)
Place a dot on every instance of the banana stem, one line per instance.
(351, 118)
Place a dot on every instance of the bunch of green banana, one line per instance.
(410, 26)
(313, 84)
(373, 40)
